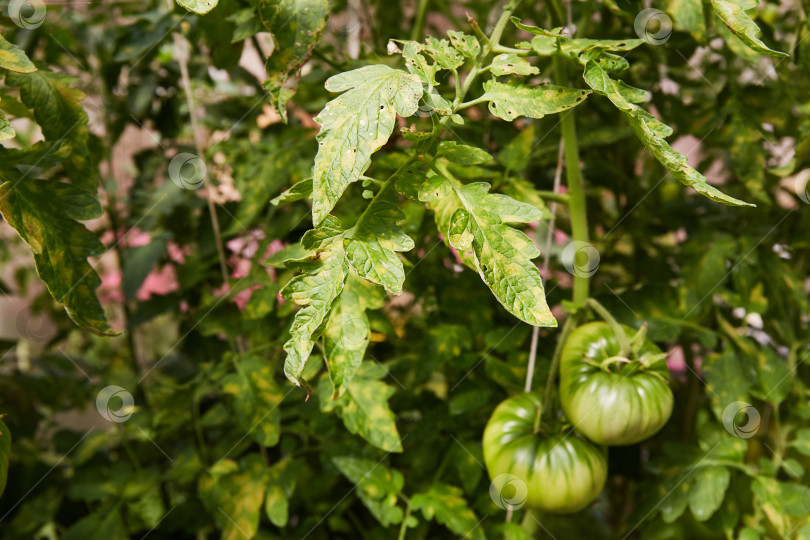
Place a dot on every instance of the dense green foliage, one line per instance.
(284, 301)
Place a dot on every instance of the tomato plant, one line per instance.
(270, 267)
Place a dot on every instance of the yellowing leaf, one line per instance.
(200, 7)
(13, 58)
(255, 399)
(348, 331)
(476, 221)
(296, 26)
(510, 100)
(316, 290)
(732, 13)
(355, 125)
(372, 244)
(45, 215)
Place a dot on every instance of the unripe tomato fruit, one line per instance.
(622, 402)
(562, 472)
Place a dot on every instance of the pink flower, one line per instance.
(160, 282)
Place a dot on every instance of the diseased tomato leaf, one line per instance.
(46, 215)
(256, 397)
(372, 244)
(296, 26)
(446, 504)
(377, 487)
(355, 125)
(348, 330)
(316, 289)
(734, 16)
(13, 58)
(651, 132)
(511, 100)
(474, 222)
(200, 7)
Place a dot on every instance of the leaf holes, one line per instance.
(485, 267)
(382, 107)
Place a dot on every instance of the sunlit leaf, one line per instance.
(13, 58)
(510, 100)
(200, 7)
(355, 125)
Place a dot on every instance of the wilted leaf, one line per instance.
(355, 125)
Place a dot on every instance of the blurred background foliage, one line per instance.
(221, 444)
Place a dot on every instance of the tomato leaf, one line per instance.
(61, 118)
(377, 487)
(256, 397)
(446, 504)
(6, 131)
(511, 64)
(734, 16)
(233, 495)
(651, 132)
(462, 154)
(363, 407)
(511, 100)
(348, 331)
(372, 244)
(708, 490)
(688, 15)
(13, 58)
(301, 190)
(316, 290)
(296, 26)
(501, 254)
(45, 215)
(101, 525)
(726, 380)
(200, 7)
(355, 125)
(281, 480)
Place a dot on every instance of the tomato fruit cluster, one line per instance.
(608, 398)
(562, 473)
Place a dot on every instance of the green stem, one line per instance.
(568, 327)
(621, 335)
(419, 21)
(403, 529)
(576, 187)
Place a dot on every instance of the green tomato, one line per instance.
(559, 473)
(613, 400)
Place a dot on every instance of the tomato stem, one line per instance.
(621, 335)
